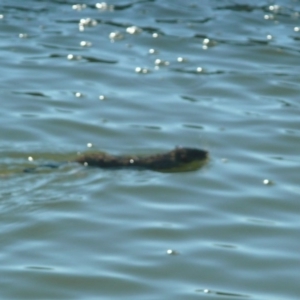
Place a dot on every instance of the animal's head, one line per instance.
(187, 155)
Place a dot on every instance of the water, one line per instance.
(217, 75)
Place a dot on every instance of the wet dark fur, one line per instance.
(177, 158)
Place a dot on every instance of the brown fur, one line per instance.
(177, 158)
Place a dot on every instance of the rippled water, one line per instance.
(140, 77)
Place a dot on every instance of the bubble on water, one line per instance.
(206, 41)
(73, 57)
(79, 6)
(78, 94)
(160, 62)
(133, 30)
(181, 59)
(30, 158)
(23, 35)
(267, 182)
(102, 97)
(104, 6)
(274, 8)
(88, 22)
(155, 35)
(85, 44)
(296, 29)
(172, 252)
(89, 145)
(269, 17)
(116, 35)
(152, 51)
(141, 70)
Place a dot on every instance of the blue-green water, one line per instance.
(140, 77)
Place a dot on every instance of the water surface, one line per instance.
(140, 77)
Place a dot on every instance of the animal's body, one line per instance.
(179, 159)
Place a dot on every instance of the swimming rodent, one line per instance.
(179, 159)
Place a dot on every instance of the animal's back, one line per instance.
(175, 159)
